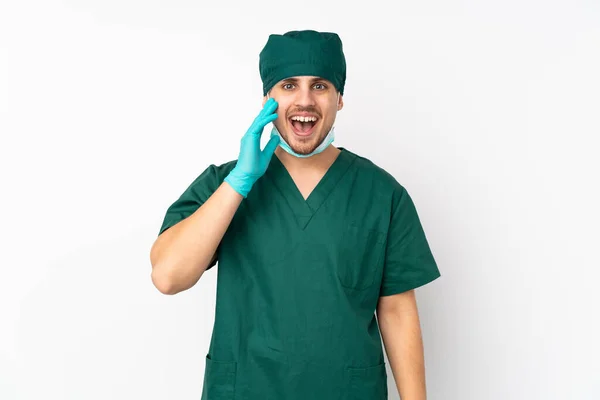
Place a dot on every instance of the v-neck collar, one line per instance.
(303, 209)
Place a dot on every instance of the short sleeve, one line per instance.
(194, 196)
(409, 262)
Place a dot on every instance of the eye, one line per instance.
(287, 84)
(321, 84)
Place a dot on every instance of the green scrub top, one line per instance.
(298, 281)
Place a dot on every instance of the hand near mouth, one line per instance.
(252, 161)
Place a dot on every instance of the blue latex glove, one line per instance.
(252, 163)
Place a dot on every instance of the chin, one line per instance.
(304, 145)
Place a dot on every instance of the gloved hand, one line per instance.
(252, 163)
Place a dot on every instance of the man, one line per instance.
(311, 241)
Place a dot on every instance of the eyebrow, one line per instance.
(295, 80)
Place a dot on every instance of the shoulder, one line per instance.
(215, 173)
(384, 182)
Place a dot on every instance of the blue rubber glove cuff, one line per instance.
(240, 182)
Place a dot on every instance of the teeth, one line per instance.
(304, 119)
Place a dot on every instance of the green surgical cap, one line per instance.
(298, 53)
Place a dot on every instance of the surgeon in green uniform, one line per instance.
(319, 250)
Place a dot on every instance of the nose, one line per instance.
(305, 98)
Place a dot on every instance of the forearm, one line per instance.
(401, 334)
(182, 253)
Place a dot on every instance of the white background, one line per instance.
(487, 112)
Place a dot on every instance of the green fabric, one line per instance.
(298, 281)
(303, 53)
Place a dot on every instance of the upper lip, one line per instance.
(304, 114)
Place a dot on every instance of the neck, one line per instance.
(320, 161)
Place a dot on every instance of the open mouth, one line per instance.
(303, 126)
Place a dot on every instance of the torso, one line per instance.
(299, 276)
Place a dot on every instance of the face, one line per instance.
(310, 97)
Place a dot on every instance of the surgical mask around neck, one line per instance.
(324, 144)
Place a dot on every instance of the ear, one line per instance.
(340, 102)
